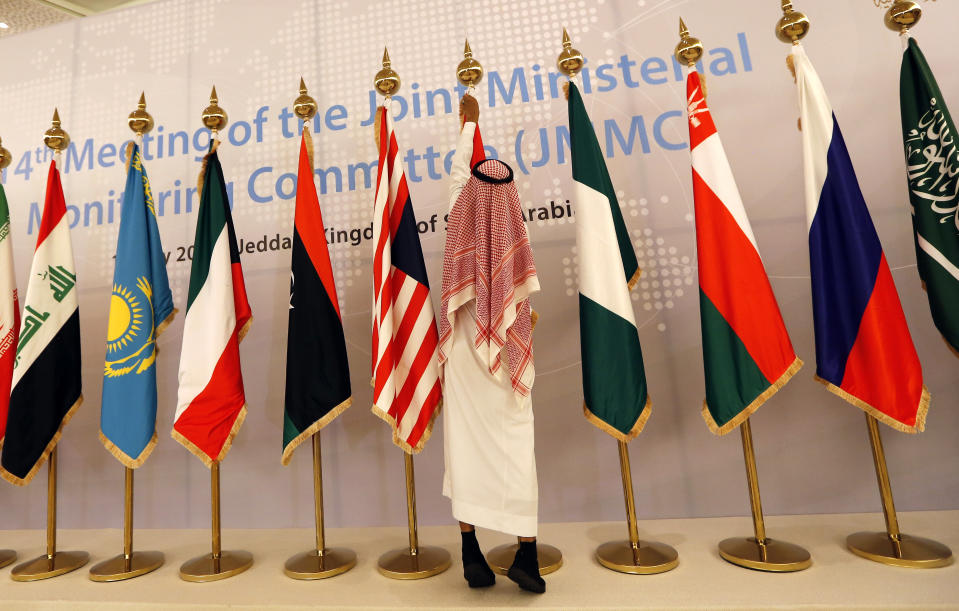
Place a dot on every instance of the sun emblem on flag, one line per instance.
(130, 333)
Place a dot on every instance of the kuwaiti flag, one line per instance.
(9, 313)
(932, 168)
(46, 375)
(211, 404)
(407, 392)
(141, 307)
(864, 352)
(317, 372)
(747, 354)
(614, 379)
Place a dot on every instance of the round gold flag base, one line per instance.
(401, 564)
(311, 565)
(648, 558)
(116, 569)
(204, 568)
(773, 555)
(500, 558)
(908, 551)
(6, 557)
(43, 567)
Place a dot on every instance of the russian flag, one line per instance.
(864, 352)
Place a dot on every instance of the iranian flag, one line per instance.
(932, 167)
(614, 379)
(211, 404)
(9, 313)
(747, 354)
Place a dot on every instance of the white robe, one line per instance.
(488, 430)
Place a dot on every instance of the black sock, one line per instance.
(475, 569)
(525, 568)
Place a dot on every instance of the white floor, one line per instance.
(702, 580)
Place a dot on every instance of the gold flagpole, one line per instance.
(415, 561)
(129, 564)
(6, 555)
(890, 547)
(218, 564)
(321, 562)
(53, 563)
(633, 555)
(758, 552)
(469, 72)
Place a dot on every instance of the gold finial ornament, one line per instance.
(570, 61)
(902, 15)
(689, 49)
(140, 120)
(304, 106)
(387, 81)
(793, 25)
(6, 158)
(469, 71)
(55, 137)
(214, 117)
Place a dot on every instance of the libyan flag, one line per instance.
(211, 404)
(614, 379)
(317, 372)
(46, 374)
(932, 166)
(747, 354)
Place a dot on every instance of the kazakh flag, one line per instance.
(932, 166)
(614, 379)
(140, 308)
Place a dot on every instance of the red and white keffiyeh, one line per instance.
(488, 258)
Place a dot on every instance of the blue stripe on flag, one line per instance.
(844, 256)
(407, 253)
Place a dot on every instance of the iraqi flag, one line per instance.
(614, 378)
(405, 358)
(317, 372)
(9, 313)
(46, 375)
(211, 404)
(932, 168)
(864, 352)
(747, 354)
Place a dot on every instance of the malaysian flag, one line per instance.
(406, 385)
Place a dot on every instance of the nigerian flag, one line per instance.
(932, 158)
(614, 381)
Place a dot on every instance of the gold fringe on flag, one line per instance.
(754, 405)
(13, 479)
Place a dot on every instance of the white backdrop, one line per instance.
(812, 447)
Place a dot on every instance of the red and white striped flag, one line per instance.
(406, 384)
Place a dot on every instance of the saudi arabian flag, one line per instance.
(614, 380)
(932, 166)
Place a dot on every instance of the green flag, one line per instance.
(932, 165)
(614, 380)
